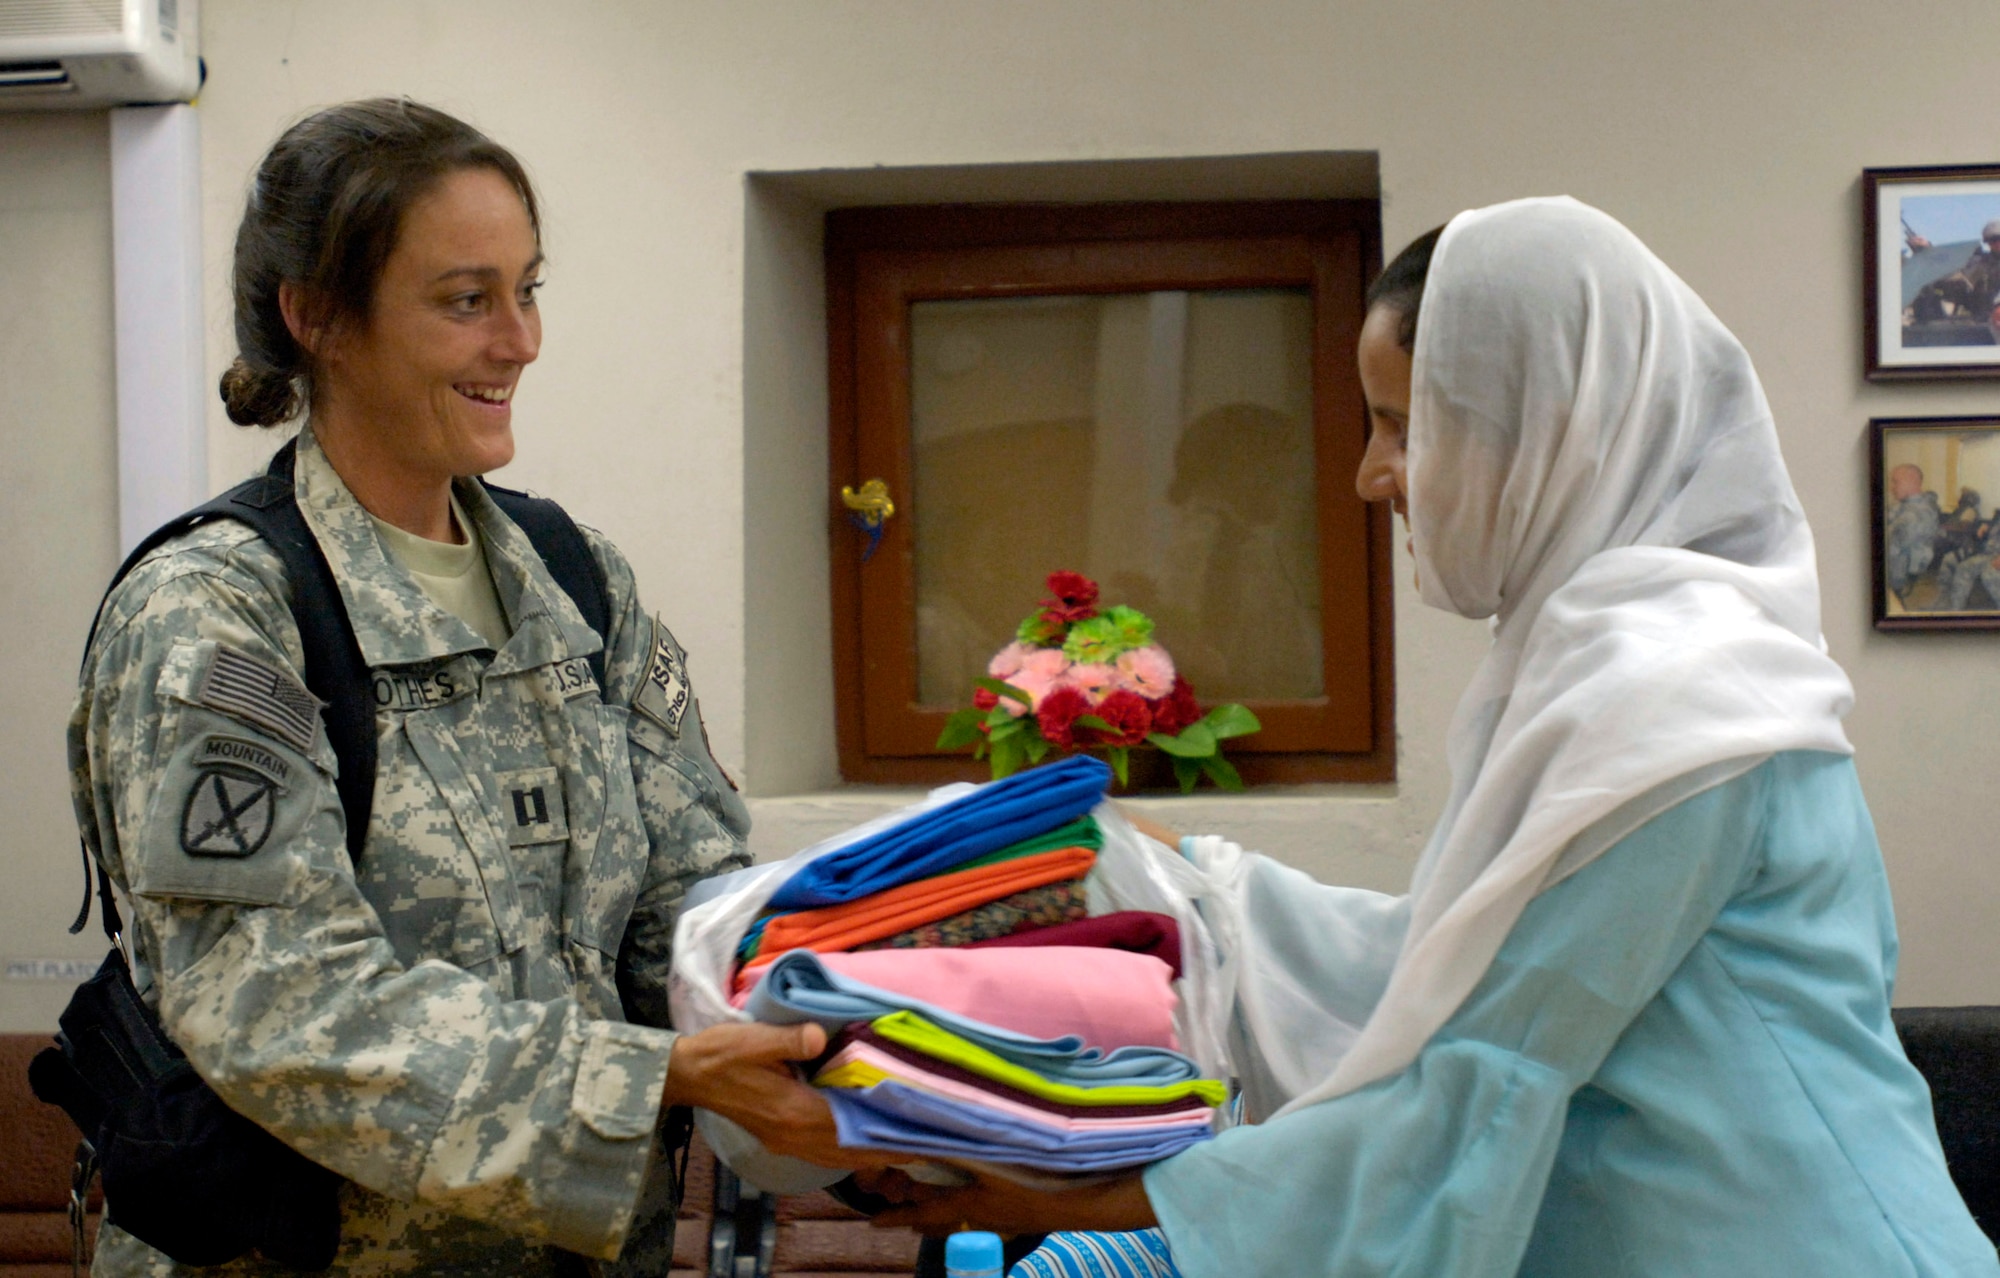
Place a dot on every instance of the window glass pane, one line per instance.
(1161, 443)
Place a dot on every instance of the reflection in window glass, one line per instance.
(1161, 443)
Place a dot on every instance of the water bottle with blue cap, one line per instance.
(973, 1254)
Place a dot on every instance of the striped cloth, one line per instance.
(1142, 1254)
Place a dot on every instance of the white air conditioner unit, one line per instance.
(57, 54)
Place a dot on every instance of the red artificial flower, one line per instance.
(984, 698)
(1073, 598)
(1127, 712)
(1073, 588)
(1176, 710)
(1057, 716)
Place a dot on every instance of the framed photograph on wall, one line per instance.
(1936, 517)
(1931, 271)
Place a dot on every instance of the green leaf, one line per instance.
(1038, 748)
(1001, 689)
(997, 716)
(1121, 761)
(1222, 772)
(960, 730)
(1231, 720)
(1009, 754)
(1094, 723)
(1007, 731)
(1194, 742)
(1186, 771)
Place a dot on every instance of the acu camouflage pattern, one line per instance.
(447, 1028)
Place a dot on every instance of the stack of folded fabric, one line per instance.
(1070, 1069)
(1008, 856)
(975, 1010)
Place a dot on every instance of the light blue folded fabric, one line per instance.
(897, 1117)
(1140, 1254)
(800, 988)
(941, 838)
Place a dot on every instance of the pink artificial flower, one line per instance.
(1038, 676)
(1148, 671)
(1093, 680)
(1009, 659)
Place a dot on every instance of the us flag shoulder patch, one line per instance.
(246, 688)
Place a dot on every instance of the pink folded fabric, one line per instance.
(994, 1098)
(1111, 998)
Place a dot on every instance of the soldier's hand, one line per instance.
(743, 1072)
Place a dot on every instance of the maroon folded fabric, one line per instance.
(859, 1032)
(1133, 930)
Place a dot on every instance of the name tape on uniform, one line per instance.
(397, 690)
(664, 695)
(568, 680)
(243, 687)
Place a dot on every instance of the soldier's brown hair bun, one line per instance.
(324, 209)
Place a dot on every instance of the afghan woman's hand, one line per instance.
(1004, 1207)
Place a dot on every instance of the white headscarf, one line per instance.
(1591, 464)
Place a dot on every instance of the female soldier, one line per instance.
(441, 1023)
(1633, 1016)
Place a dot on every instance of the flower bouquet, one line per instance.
(1077, 678)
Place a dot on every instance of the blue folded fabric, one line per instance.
(799, 988)
(941, 838)
(908, 1120)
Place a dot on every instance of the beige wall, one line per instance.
(58, 519)
(687, 421)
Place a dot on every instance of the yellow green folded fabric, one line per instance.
(914, 1032)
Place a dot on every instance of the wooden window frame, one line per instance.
(878, 260)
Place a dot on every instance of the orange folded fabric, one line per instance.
(842, 927)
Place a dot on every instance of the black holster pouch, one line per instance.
(183, 1172)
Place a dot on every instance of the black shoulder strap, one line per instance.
(334, 670)
(562, 546)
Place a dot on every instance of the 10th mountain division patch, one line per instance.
(229, 812)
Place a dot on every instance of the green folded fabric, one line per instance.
(1080, 833)
(914, 1032)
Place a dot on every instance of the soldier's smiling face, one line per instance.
(432, 373)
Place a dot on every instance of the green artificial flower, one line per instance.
(1041, 630)
(1093, 641)
(1105, 637)
(1134, 628)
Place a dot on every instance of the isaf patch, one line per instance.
(229, 812)
(243, 687)
(664, 694)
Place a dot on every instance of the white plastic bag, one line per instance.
(1132, 872)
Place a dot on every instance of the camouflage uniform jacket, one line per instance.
(444, 1027)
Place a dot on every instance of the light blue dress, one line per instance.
(1681, 1063)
